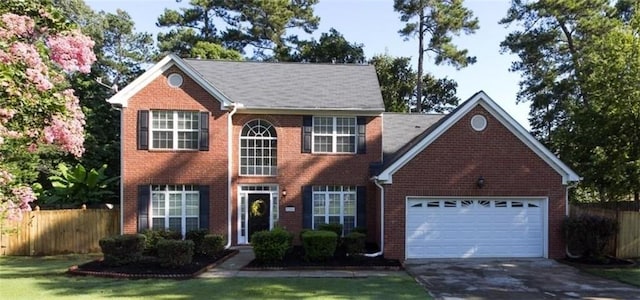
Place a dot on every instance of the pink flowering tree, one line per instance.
(38, 52)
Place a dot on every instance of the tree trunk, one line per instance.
(420, 59)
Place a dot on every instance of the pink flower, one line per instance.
(25, 196)
(66, 132)
(16, 25)
(5, 177)
(73, 51)
(27, 53)
(40, 80)
(33, 147)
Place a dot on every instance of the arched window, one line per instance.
(258, 149)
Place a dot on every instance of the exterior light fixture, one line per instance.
(480, 182)
(284, 193)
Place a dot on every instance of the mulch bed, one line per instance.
(148, 267)
(294, 260)
(605, 262)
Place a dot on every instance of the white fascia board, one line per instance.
(122, 97)
(481, 98)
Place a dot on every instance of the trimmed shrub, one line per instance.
(154, 236)
(302, 232)
(197, 236)
(362, 230)
(122, 249)
(589, 235)
(212, 244)
(319, 245)
(354, 243)
(270, 246)
(175, 253)
(337, 228)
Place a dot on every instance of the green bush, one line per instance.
(197, 236)
(319, 245)
(212, 244)
(337, 228)
(154, 236)
(362, 230)
(175, 253)
(122, 249)
(354, 243)
(302, 232)
(589, 235)
(270, 246)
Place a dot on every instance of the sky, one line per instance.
(375, 24)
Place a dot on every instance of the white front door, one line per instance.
(465, 228)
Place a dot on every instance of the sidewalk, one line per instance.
(232, 268)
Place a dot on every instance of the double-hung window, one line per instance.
(258, 149)
(334, 134)
(175, 207)
(175, 130)
(335, 205)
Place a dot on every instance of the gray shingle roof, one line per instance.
(294, 85)
(401, 131)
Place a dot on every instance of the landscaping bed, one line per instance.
(294, 260)
(149, 267)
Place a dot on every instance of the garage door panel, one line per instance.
(474, 228)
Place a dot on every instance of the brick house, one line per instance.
(238, 147)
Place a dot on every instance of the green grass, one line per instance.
(626, 275)
(44, 278)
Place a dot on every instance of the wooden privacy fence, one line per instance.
(51, 232)
(627, 243)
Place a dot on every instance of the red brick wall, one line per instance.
(451, 165)
(295, 169)
(144, 167)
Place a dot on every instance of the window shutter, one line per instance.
(307, 127)
(361, 135)
(204, 206)
(361, 206)
(144, 195)
(307, 206)
(204, 131)
(143, 130)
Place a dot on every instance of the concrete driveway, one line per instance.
(513, 279)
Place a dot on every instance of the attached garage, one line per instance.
(475, 227)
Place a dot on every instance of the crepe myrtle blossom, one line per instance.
(16, 25)
(73, 51)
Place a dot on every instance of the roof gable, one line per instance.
(123, 96)
(431, 134)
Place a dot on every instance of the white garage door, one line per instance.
(463, 228)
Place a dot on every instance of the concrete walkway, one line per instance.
(232, 268)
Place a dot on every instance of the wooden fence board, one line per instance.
(51, 232)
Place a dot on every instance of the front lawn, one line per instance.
(44, 278)
(626, 275)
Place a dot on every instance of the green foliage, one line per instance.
(439, 21)
(175, 253)
(589, 235)
(332, 47)
(122, 249)
(153, 236)
(319, 245)
(270, 246)
(197, 236)
(78, 186)
(209, 50)
(354, 243)
(335, 227)
(212, 244)
(360, 229)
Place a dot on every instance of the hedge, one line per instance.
(175, 253)
(122, 249)
(270, 246)
(319, 245)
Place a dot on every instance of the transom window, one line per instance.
(175, 207)
(334, 134)
(258, 149)
(174, 129)
(335, 205)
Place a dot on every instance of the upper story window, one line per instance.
(258, 149)
(334, 134)
(176, 130)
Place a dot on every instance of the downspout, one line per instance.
(121, 110)
(229, 170)
(566, 213)
(377, 183)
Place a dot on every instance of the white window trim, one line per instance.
(174, 130)
(326, 214)
(183, 217)
(273, 138)
(334, 135)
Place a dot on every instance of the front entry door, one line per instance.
(259, 213)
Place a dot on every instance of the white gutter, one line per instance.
(375, 181)
(229, 170)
